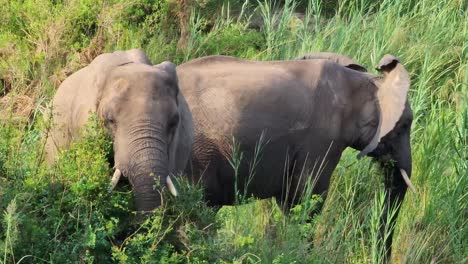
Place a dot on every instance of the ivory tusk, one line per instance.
(115, 179)
(407, 180)
(171, 186)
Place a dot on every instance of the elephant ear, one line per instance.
(168, 67)
(335, 57)
(184, 137)
(181, 146)
(391, 96)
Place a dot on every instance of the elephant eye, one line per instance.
(109, 120)
(173, 124)
(404, 127)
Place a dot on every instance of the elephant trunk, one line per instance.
(148, 169)
(398, 178)
(397, 181)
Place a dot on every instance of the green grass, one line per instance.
(65, 214)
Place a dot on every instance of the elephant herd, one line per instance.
(166, 119)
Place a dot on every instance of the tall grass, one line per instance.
(54, 213)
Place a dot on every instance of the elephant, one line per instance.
(306, 112)
(142, 110)
(338, 58)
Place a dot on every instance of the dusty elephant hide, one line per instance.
(142, 109)
(307, 111)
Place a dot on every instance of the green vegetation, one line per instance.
(65, 214)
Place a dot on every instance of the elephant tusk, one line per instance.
(115, 179)
(171, 186)
(407, 180)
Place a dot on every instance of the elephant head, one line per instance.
(391, 140)
(144, 113)
(335, 57)
(390, 143)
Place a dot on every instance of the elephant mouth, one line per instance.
(118, 174)
(385, 157)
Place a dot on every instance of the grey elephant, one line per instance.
(143, 111)
(307, 111)
(335, 57)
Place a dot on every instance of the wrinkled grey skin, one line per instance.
(143, 110)
(309, 111)
(335, 57)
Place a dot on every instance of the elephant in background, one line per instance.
(308, 111)
(335, 57)
(143, 111)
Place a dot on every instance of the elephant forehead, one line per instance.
(144, 79)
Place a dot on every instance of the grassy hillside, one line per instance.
(65, 214)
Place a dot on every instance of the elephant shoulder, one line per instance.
(327, 78)
(328, 69)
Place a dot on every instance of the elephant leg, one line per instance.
(295, 181)
(308, 177)
(209, 169)
(219, 185)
